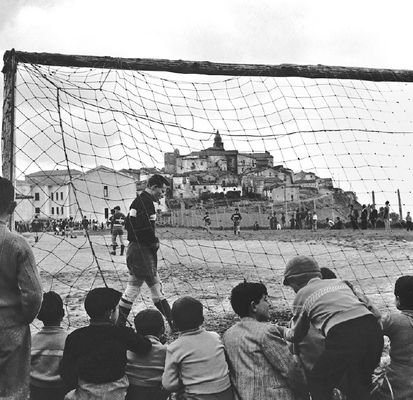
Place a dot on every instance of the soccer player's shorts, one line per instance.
(117, 230)
(142, 262)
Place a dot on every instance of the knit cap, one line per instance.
(301, 266)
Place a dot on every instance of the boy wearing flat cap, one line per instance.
(353, 337)
(94, 357)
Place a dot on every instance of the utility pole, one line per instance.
(400, 205)
(373, 199)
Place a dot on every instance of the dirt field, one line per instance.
(207, 266)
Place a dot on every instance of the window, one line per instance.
(57, 210)
(292, 197)
(51, 197)
(61, 197)
(52, 210)
(37, 210)
(57, 196)
(105, 191)
(106, 213)
(61, 210)
(37, 196)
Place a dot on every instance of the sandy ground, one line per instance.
(207, 266)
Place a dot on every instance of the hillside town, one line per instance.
(215, 171)
(212, 173)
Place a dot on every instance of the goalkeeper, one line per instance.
(141, 255)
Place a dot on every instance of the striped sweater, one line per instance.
(47, 352)
(324, 304)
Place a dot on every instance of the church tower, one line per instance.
(218, 145)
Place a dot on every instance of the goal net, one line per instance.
(82, 135)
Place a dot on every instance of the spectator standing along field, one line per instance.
(273, 220)
(408, 222)
(20, 299)
(283, 221)
(373, 216)
(314, 221)
(364, 217)
(386, 215)
(354, 215)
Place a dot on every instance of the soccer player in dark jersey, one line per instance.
(236, 219)
(36, 228)
(117, 222)
(141, 255)
(207, 222)
(85, 225)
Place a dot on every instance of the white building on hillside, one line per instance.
(99, 190)
(50, 193)
(60, 194)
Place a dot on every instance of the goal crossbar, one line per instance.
(208, 68)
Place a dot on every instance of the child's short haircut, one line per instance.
(101, 300)
(149, 322)
(6, 194)
(404, 290)
(244, 294)
(327, 273)
(51, 310)
(187, 313)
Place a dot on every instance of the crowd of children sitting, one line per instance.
(334, 341)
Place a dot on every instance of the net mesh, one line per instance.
(87, 139)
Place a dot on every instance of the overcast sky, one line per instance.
(368, 33)
(352, 33)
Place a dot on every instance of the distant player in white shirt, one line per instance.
(236, 218)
